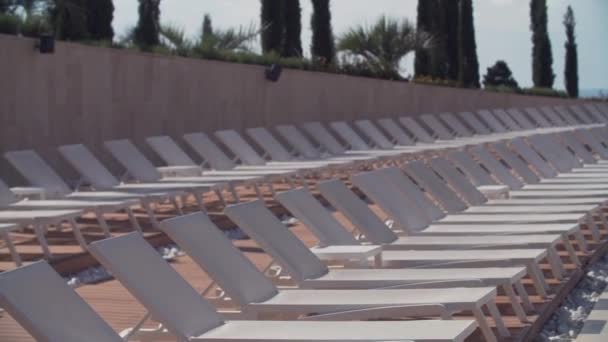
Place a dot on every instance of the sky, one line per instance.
(502, 28)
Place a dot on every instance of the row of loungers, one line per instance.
(448, 251)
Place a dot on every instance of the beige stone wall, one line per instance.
(85, 94)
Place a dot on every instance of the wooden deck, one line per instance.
(121, 310)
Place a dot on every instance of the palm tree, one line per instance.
(382, 46)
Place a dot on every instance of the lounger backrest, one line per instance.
(37, 172)
(603, 108)
(169, 151)
(88, 166)
(316, 217)
(568, 117)
(136, 164)
(570, 140)
(533, 158)
(269, 144)
(594, 112)
(212, 155)
(351, 137)
(591, 140)
(436, 126)
(495, 167)
(478, 175)
(538, 117)
(492, 121)
(284, 247)
(553, 117)
(550, 153)
(7, 197)
(416, 130)
(156, 285)
(397, 133)
(521, 118)
(454, 123)
(565, 152)
(374, 134)
(436, 186)
(581, 115)
(401, 208)
(517, 164)
(507, 120)
(205, 243)
(356, 211)
(241, 148)
(323, 137)
(473, 121)
(406, 185)
(44, 305)
(298, 141)
(458, 181)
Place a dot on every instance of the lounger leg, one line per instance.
(234, 192)
(523, 295)
(500, 324)
(291, 183)
(220, 196)
(200, 201)
(539, 281)
(78, 234)
(487, 332)
(133, 220)
(148, 208)
(11, 248)
(176, 205)
(557, 268)
(102, 223)
(571, 251)
(519, 310)
(595, 230)
(271, 189)
(39, 230)
(578, 235)
(258, 193)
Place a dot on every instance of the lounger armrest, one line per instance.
(432, 284)
(347, 253)
(29, 191)
(384, 312)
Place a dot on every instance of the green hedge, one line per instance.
(548, 92)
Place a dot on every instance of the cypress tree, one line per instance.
(468, 75)
(292, 44)
(422, 63)
(438, 52)
(272, 25)
(542, 57)
(322, 35)
(100, 14)
(147, 31)
(70, 20)
(206, 31)
(571, 68)
(451, 8)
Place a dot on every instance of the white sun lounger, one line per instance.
(188, 316)
(473, 121)
(308, 271)
(521, 119)
(396, 133)
(455, 124)
(567, 116)
(307, 150)
(255, 294)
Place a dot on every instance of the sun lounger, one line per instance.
(455, 124)
(582, 116)
(188, 316)
(308, 271)
(418, 132)
(492, 122)
(523, 121)
(255, 294)
(475, 123)
(396, 133)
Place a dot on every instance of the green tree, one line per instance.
(571, 68)
(69, 19)
(272, 26)
(207, 29)
(322, 46)
(383, 45)
(468, 73)
(542, 57)
(147, 31)
(499, 75)
(100, 14)
(292, 44)
(422, 63)
(451, 35)
(438, 51)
